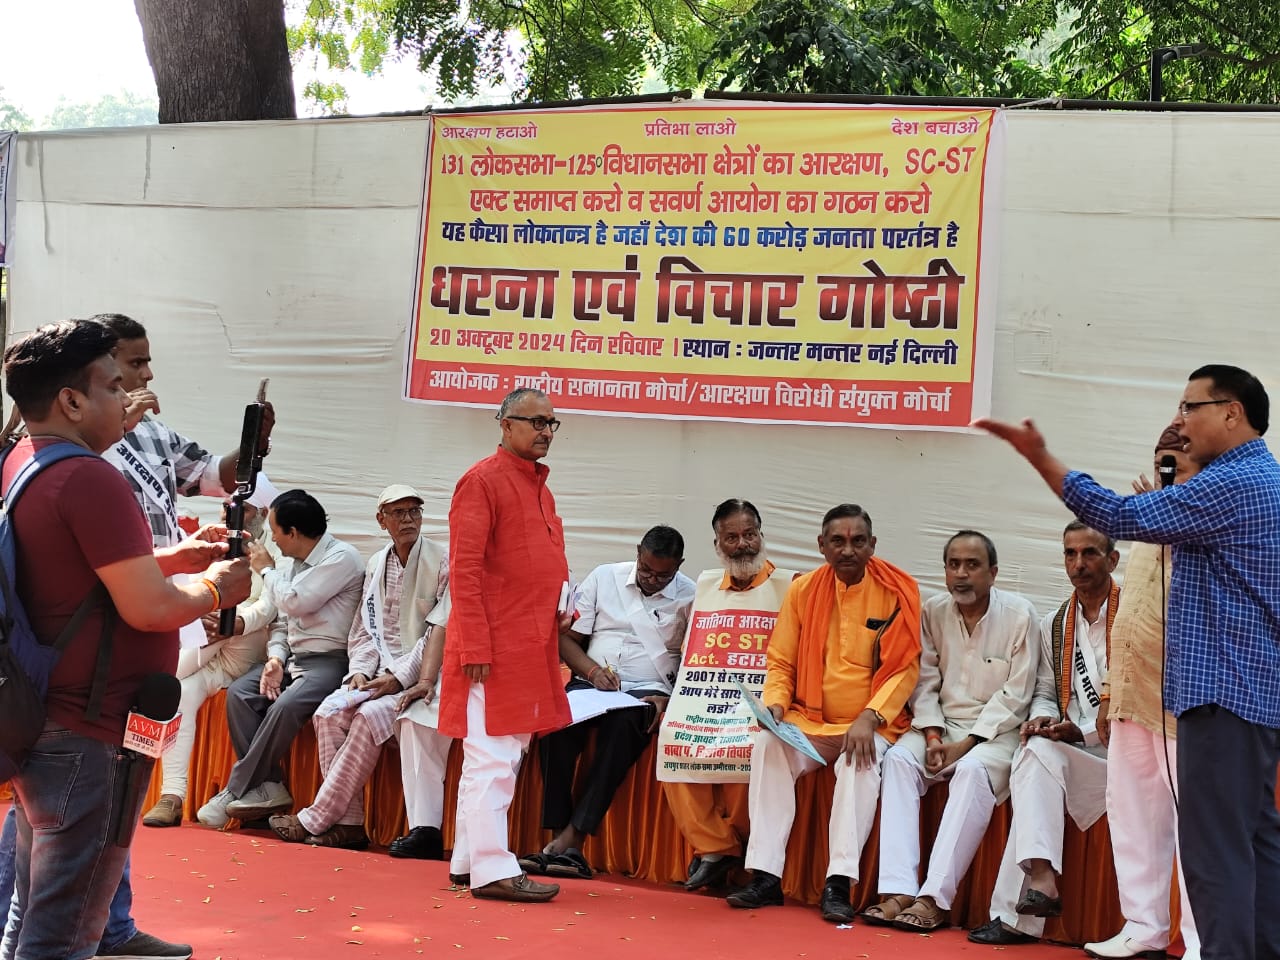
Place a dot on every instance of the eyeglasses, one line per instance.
(1186, 406)
(646, 571)
(538, 423)
(404, 513)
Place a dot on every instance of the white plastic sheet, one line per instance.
(1136, 247)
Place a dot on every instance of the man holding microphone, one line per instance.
(1223, 643)
(78, 529)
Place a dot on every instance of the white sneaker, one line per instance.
(1121, 947)
(214, 813)
(261, 801)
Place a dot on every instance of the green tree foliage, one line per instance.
(556, 49)
(893, 47)
(125, 110)
(11, 115)
(563, 49)
(341, 35)
(1108, 49)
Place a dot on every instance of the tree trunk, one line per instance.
(218, 59)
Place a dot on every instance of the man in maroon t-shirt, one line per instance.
(78, 524)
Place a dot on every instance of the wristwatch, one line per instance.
(879, 717)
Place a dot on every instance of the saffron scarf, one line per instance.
(897, 640)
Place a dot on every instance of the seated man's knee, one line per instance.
(972, 771)
(897, 758)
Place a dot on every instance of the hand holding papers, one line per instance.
(568, 598)
(585, 704)
(788, 733)
(341, 699)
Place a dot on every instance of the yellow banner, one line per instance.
(778, 263)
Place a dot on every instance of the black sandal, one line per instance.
(535, 863)
(570, 864)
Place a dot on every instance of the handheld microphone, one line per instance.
(1168, 467)
(247, 467)
(152, 724)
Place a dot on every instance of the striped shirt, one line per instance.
(182, 466)
(1223, 637)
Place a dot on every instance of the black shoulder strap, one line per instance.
(98, 595)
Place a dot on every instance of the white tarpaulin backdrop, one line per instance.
(7, 140)
(1135, 247)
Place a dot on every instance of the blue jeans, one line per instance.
(120, 925)
(67, 869)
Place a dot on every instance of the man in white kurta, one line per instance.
(977, 673)
(402, 586)
(1142, 768)
(206, 670)
(424, 750)
(630, 621)
(1061, 763)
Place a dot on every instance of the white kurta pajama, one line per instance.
(1142, 774)
(979, 683)
(398, 605)
(203, 671)
(1048, 776)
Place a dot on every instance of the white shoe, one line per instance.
(214, 813)
(261, 801)
(1121, 947)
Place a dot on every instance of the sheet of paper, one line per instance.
(340, 700)
(585, 704)
(788, 733)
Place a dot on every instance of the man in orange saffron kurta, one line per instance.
(500, 681)
(843, 660)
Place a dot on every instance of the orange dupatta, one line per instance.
(897, 642)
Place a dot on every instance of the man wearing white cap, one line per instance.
(206, 670)
(403, 588)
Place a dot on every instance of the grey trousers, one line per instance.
(261, 729)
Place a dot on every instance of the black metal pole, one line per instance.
(1158, 56)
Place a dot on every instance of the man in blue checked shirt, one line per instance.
(1223, 644)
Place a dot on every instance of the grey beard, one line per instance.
(744, 568)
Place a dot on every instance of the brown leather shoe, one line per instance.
(518, 889)
(166, 813)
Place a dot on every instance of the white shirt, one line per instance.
(610, 604)
(316, 599)
(979, 683)
(1045, 702)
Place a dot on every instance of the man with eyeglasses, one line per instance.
(631, 618)
(403, 586)
(843, 659)
(1223, 643)
(1061, 763)
(500, 682)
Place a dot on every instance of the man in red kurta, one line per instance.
(500, 681)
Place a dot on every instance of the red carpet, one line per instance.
(244, 895)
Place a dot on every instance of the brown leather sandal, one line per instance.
(288, 828)
(346, 836)
(883, 914)
(923, 916)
